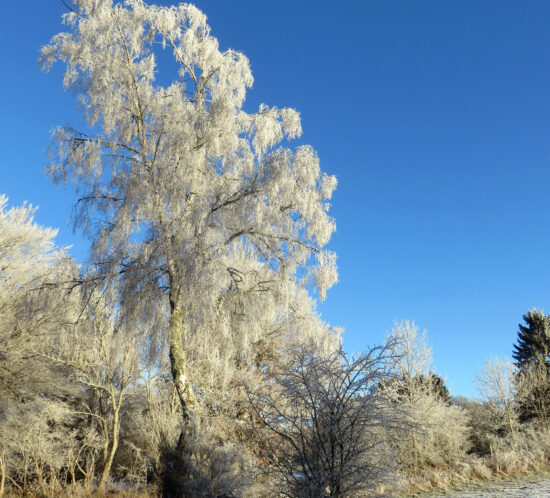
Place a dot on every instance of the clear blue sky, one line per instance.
(435, 117)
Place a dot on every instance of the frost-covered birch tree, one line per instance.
(198, 207)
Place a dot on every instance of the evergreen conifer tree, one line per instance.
(533, 344)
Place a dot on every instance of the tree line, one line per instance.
(186, 356)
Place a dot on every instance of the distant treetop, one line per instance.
(533, 344)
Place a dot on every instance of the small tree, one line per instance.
(438, 430)
(105, 360)
(496, 384)
(324, 426)
(414, 359)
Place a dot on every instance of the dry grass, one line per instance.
(526, 453)
(509, 464)
(81, 492)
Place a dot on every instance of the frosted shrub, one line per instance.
(324, 427)
(42, 447)
(441, 437)
(209, 467)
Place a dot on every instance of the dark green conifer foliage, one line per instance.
(533, 344)
(432, 384)
(532, 354)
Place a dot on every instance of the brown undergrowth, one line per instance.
(76, 491)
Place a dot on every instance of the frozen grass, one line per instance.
(511, 463)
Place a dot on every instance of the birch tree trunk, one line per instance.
(179, 368)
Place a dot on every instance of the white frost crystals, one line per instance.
(27, 250)
(184, 160)
(209, 220)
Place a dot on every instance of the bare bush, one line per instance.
(43, 447)
(325, 427)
